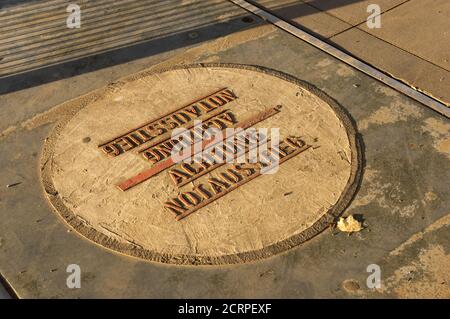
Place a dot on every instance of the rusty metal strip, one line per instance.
(145, 175)
(242, 182)
(158, 168)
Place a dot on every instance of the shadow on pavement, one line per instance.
(199, 33)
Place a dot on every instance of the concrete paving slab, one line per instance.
(419, 73)
(403, 197)
(302, 14)
(411, 45)
(353, 12)
(420, 27)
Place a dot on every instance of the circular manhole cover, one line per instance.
(107, 171)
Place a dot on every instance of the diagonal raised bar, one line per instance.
(145, 175)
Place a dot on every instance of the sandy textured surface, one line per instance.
(267, 215)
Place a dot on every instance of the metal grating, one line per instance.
(35, 34)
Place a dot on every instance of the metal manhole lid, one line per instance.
(228, 215)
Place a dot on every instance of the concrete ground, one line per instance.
(404, 195)
(412, 43)
(3, 293)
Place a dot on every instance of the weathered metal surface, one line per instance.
(34, 35)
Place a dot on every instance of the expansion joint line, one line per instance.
(425, 99)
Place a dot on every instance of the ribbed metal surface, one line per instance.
(35, 34)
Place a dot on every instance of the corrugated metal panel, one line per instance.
(35, 34)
